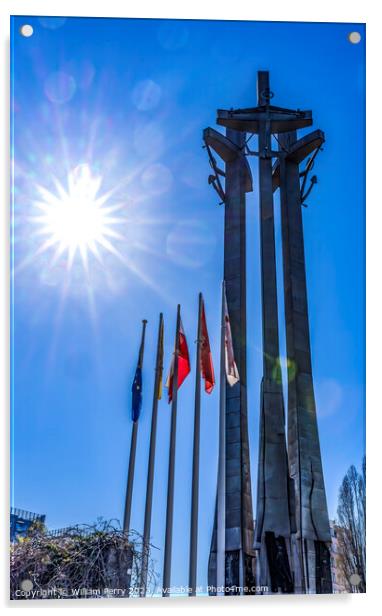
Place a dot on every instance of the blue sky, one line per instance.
(129, 99)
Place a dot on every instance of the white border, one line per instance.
(274, 10)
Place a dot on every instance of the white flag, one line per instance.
(231, 370)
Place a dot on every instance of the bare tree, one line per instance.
(83, 561)
(352, 528)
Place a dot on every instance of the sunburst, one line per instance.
(78, 220)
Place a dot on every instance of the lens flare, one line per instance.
(77, 219)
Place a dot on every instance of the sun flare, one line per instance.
(77, 219)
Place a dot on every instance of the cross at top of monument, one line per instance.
(249, 120)
(264, 93)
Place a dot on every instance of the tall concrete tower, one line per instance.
(240, 554)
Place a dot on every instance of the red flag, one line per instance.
(231, 370)
(206, 364)
(184, 366)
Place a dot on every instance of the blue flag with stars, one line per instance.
(137, 394)
(136, 390)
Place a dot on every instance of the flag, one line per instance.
(160, 362)
(137, 394)
(231, 370)
(206, 364)
(136, 389)
(184, 366)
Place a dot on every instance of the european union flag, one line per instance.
(137, 394)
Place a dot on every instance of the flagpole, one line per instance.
(133, 447)
(150, 471)
(195, 465)
(171, 470)
(220, 557)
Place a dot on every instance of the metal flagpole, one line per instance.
(171, 470)
(195, 464)
(150, 471)
(133, 447)
(220, 556)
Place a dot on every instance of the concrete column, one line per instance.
(240, 564)
(303, 439)
(273, 515)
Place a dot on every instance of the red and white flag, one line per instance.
(206, 364)
(231, 370)
(184, 366)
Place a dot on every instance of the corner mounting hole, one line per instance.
(26, 30)
(354, 37)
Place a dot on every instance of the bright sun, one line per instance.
(78, 219)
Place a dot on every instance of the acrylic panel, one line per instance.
(188, 308)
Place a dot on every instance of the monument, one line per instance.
(292, 536)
